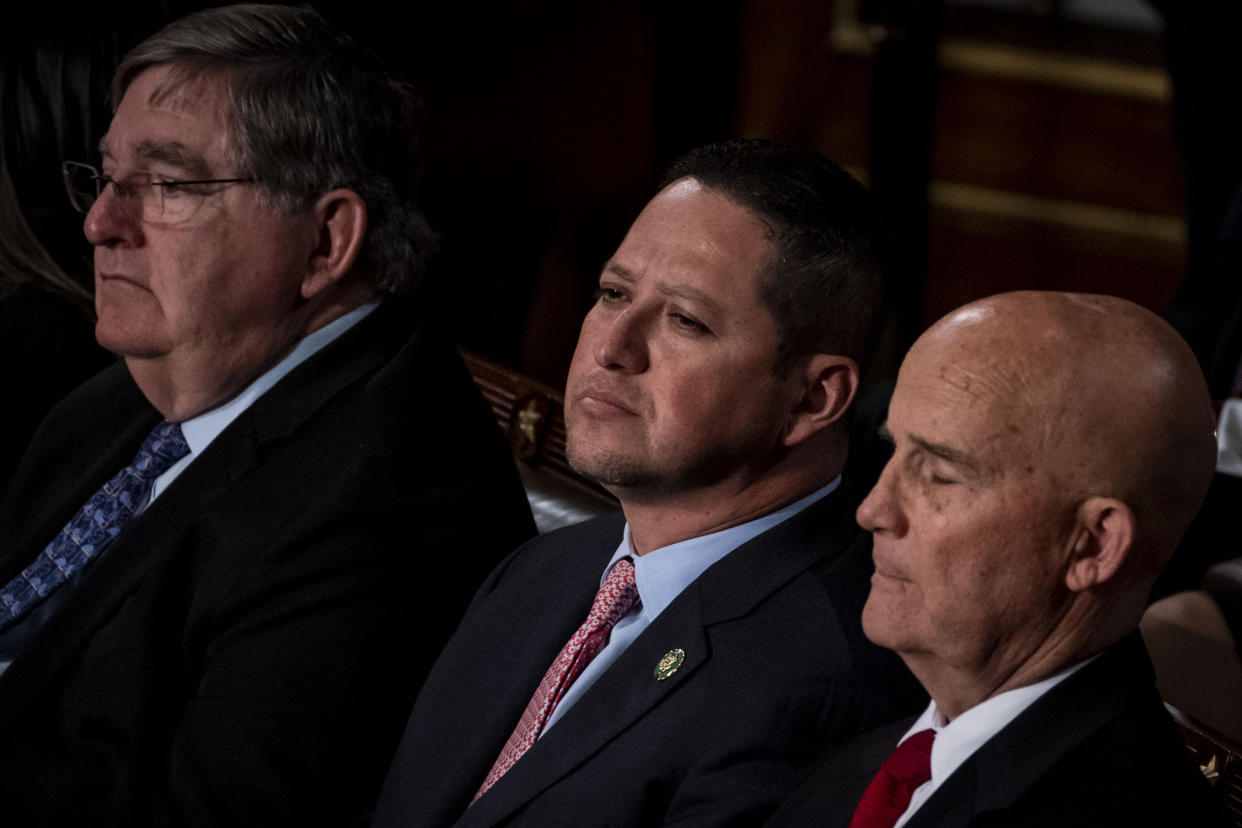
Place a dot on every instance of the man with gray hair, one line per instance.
(214, 558)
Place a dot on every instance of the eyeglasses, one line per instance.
(167, 201)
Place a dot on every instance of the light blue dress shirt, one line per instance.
(661, 575)
(201, 430)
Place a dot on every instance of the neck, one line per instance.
(1078, 635)
(182, 385)
(658, 519)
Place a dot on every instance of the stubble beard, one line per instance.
(613, 471)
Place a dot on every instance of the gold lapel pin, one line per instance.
(669, 664)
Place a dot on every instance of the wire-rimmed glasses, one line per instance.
(167, 200)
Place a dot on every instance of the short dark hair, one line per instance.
(824, 285)
(310, 110)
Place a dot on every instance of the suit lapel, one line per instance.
(517, 656)
(152, 539)
(629, 689)
(1014, 760)
(829, 793)
(626, 692)
(59, 475)
(148, 541)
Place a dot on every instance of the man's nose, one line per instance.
(881, 510)
(110, 220)
(622, 345)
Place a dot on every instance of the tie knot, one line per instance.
(164, 446)
(911, 761)
(615, 597)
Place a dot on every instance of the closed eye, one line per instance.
(607, 294)
(171, 189)
(688, 323)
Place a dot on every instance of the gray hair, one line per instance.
(310, 110)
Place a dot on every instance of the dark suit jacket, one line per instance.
(247, 649)
(1097, 749)
(776, 669)
(47, 349)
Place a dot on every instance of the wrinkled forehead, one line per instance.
(972, 383)
(170, 113)
(180, 86)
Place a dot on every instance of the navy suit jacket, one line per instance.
(1097, 749)
(776, 670)
(247, 649)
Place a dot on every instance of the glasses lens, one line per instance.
(82, 185)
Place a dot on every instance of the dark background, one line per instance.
(1016, 146)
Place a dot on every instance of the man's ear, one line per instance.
(341, 224)
(827, 384)
(1102, 542)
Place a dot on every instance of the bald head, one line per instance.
(1102, 394)
(1050, 449)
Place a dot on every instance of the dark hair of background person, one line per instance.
(824, 287)
(53, 107)
(57, 61)
(311, 110)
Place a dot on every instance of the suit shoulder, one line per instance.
(568, 551)
(1131, 770)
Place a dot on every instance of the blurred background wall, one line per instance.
(1089, 145)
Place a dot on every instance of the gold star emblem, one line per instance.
(1210, 771)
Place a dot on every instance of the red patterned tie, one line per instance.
(888, 795)
(614, 599)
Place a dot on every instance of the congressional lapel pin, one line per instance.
(669, 664)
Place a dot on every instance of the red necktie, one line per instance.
(888, 795)
(614, 599)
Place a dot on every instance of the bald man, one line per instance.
(1050, 449)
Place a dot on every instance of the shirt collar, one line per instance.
(957, 740)
(201, 430)
(663, 574)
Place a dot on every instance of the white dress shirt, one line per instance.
(957, 740)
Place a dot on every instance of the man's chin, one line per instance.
(880, 622)
(615, 472)
(128, 344)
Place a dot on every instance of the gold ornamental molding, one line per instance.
(1078, 215)
(1075, 214)
(1012, 63)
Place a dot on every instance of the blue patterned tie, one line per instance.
(90, 531)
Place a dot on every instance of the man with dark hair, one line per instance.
(722, 605)
(825, 249)
(1050, 449)
(226, 565)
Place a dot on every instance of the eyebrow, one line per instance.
(949, 454)
(173, 153)
(710, 305)
(623, 273)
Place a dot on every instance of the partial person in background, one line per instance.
(1194, 630)
(54, 80)
(227, 563)
(1050, 449)
(1208, 313)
